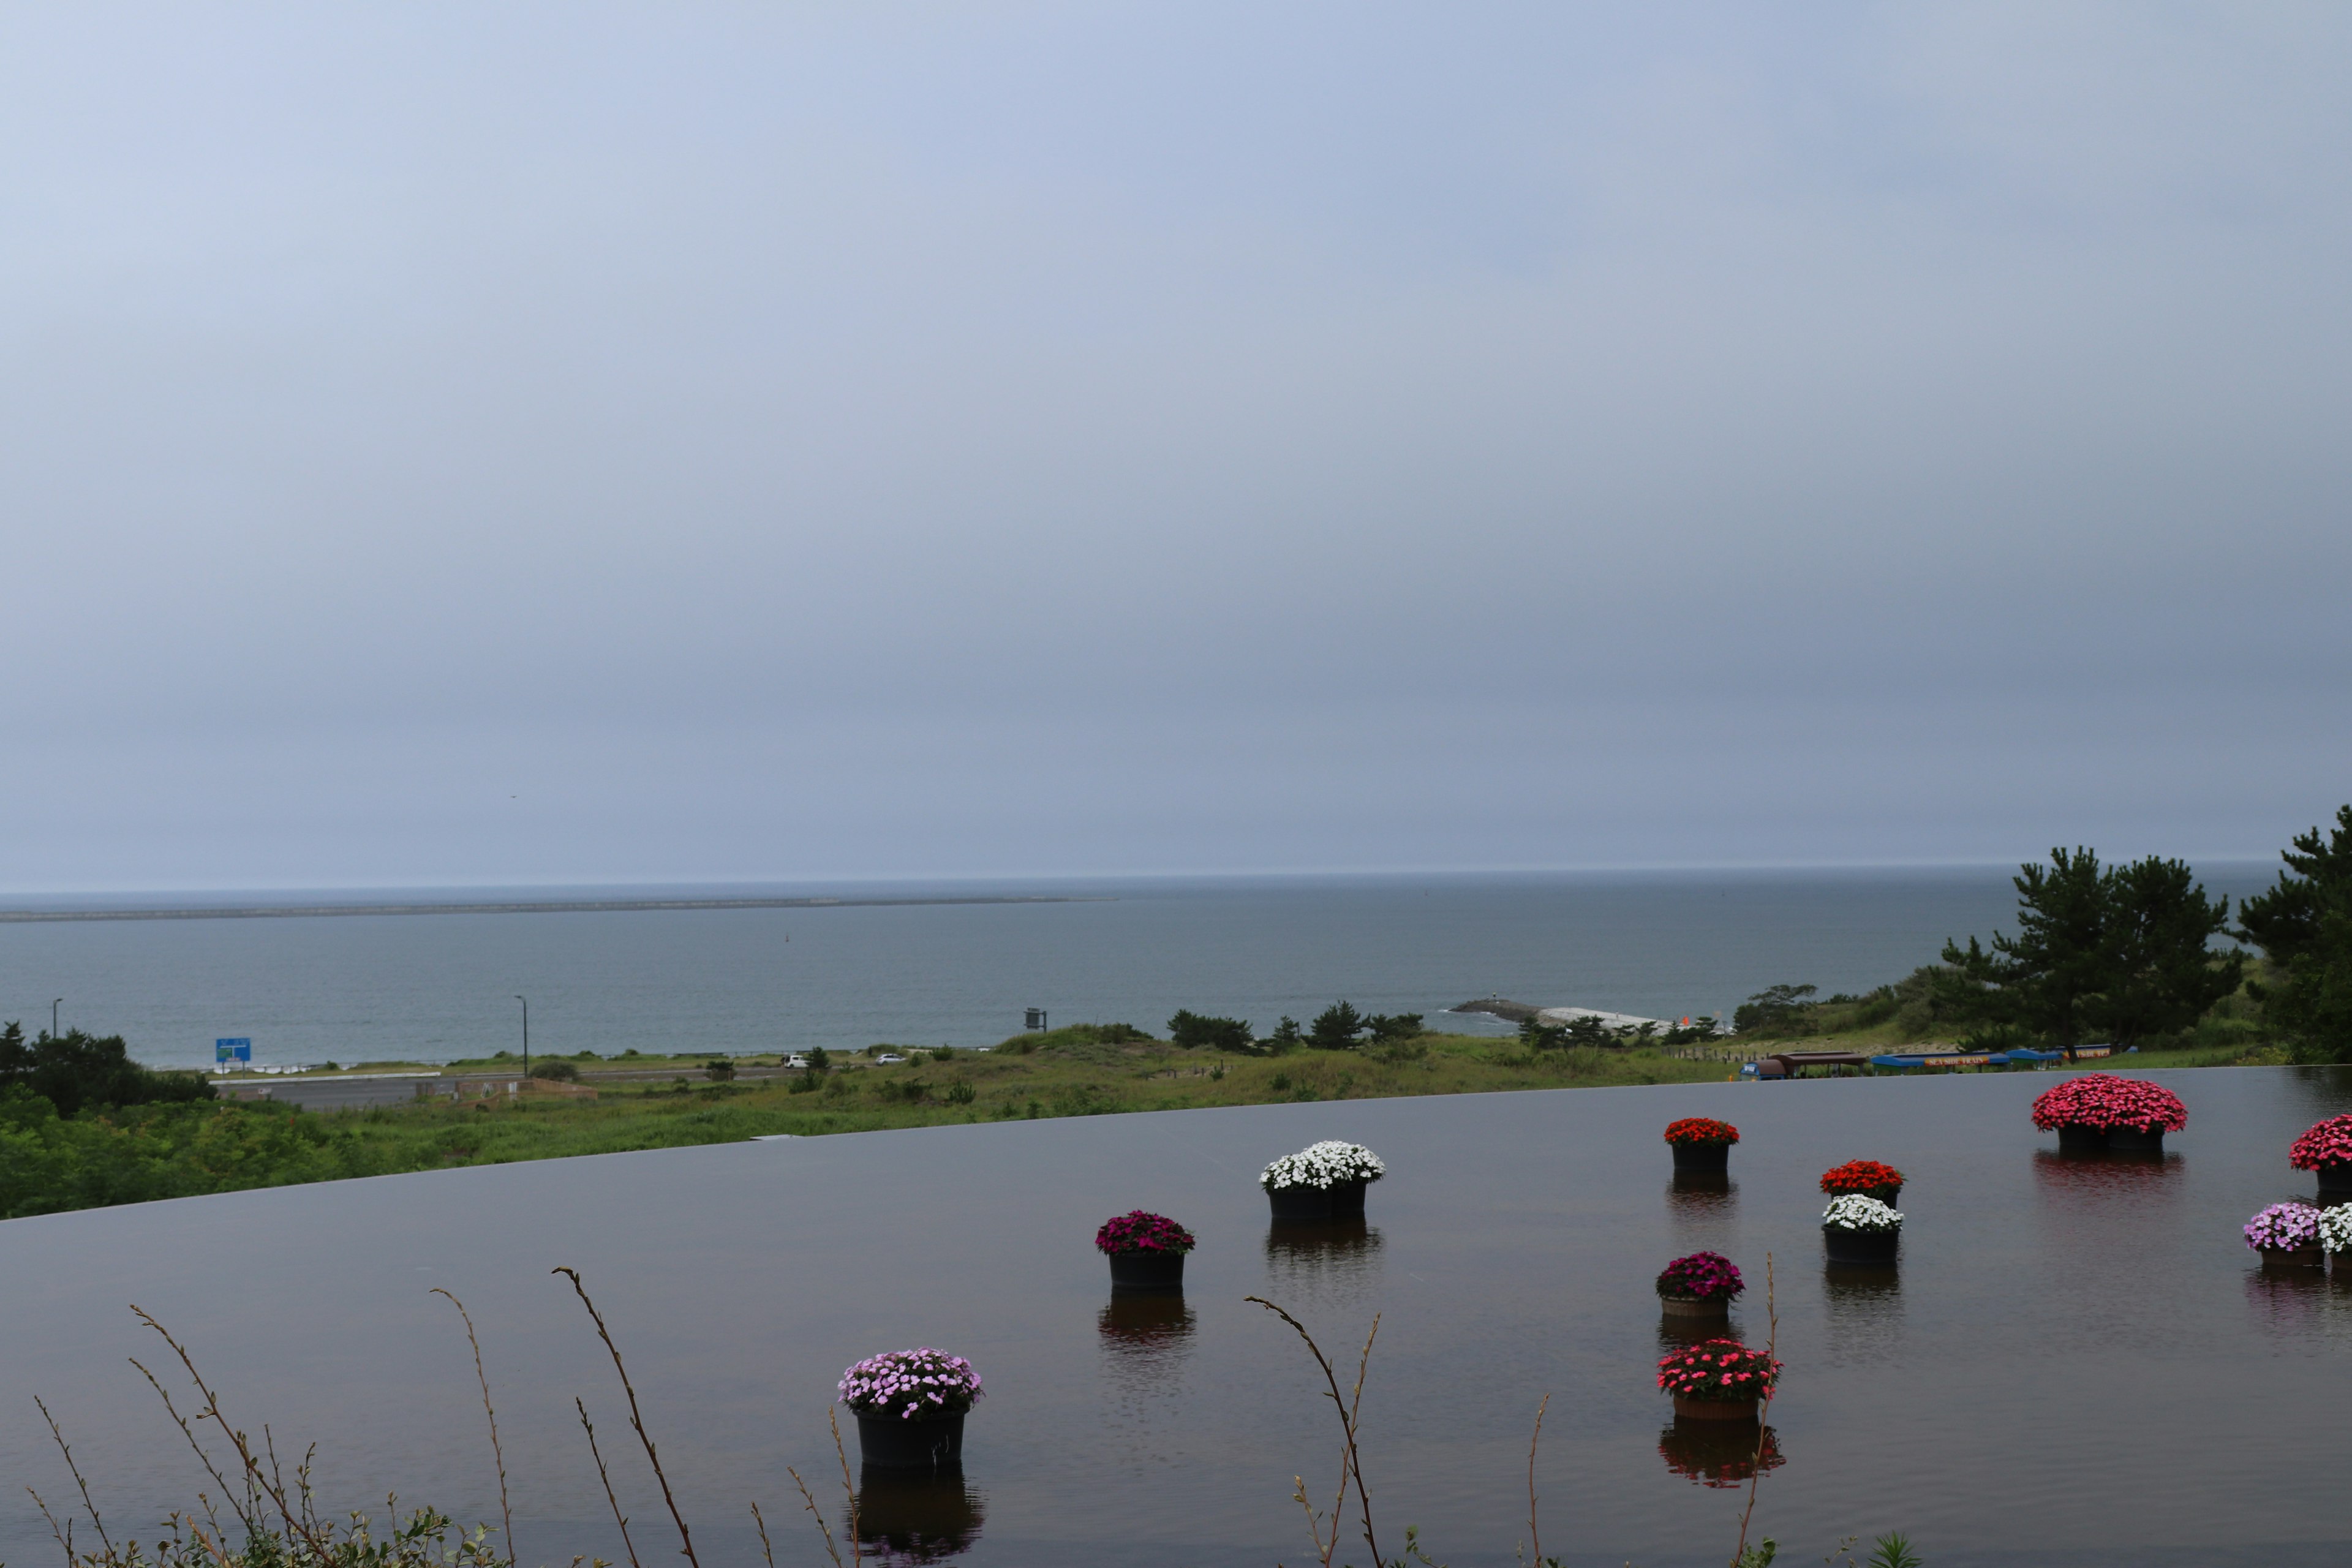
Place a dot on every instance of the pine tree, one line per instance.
(2303, 926)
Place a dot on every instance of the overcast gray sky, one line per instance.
(517, 444)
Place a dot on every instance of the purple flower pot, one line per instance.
(1147, 1273)
(887, 1443)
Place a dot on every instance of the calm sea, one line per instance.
(435, 987)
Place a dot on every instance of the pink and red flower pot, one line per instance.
(2335, 1179)
(2073, 1139)
(2292, 1257)
(2135, 1141)
(1159, 1273)
(1702, 1307)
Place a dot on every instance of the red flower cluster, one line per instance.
(1871, 1178)
(1701, 1130)
(1139, 1231)
(1723, 1371)
(2328, 1143)
(1704, 1276)
(2102, 1102)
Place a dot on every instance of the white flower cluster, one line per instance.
(1324, 1164)
(1856, 1211)
(2335, 1228)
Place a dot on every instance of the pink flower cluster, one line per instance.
(1723, 1371)
(910, 1384)
(1709, 1276)
(1140, 1231)
(2284, 1225)
(2104, 1102)
(2328, 1143)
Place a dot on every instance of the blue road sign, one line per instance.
(232, 1050)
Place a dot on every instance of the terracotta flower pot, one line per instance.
(1694, 1306)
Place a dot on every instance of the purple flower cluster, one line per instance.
(1140, 1231)
(910, 1384)
(2282, 1225)
(1709, 1276)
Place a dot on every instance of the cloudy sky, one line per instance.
(532, 444)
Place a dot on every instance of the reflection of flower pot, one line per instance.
(1694, 1306)
(1342, 1200)
(1714, 1409)
(2074, 1139)
(1147, 1273)
(2292, 1257)
(2335, 1178)
(1699, 1190)
(1702, 1156)
(1145, 1325)
(1845, 1246)
(2133, 1141)
(1712, 1454)
(907, 1517)
(891, 1443)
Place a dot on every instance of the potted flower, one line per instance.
(2326, 1148)
(1322, 1181)
(1871, 1178)
(1699, 1285)
(1146, 1252)
(1701, 1144)
(911, 1406)
(1859, 1229)
(2336, 1229)
(2286, 1236)
(2100, 1111)
(1718, 1380)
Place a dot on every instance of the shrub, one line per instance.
(1325, 1164)
(803, 1083)
(74, 1069)
(1195, 1031)
(1141, 1231)
(2103, 1102)
(959, 1094)
(910, 1384)
(1701, 1130)
(719, 1071)
(555, 1070)
(1709, 1276)
(1334, 1029)
(1723, 1371)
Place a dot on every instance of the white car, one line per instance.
(886, 1058)
(797, 1062)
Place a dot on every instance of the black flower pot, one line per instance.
(1845, 1246)
(2075, 1139)
(1343, 1200)
(2335, 1178)
(1147, 1273)
(888, 1442)
(1702, 1156)
(2132, 1140)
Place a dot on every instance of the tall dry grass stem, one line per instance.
(1535, 1537)
(88, 1507)
(506, 1514)
(637, 1420)
(1764, 1411)
(1350, 1460)
(607, 1477)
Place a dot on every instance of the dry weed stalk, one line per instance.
(1350, 1460)
(506, 1514)
(637, 1420)
(1764, 1412)
(607, 1477)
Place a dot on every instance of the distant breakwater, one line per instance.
(534, 907)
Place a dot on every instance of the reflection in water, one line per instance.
(1696, 1194)
(2104, 1174)
(1864, 1311)
(907, 1518)
(1718, 1453)
(1322, 1258)
(2295, 1303)
(1145, 1336)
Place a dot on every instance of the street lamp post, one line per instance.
(526, 1036)
(53, 1018)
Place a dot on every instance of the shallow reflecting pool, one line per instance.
(2075, 1362)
